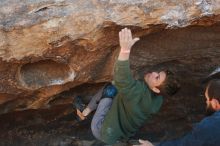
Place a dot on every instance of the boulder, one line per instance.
(51, 48)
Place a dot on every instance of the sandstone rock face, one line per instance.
(51, 46)
(47, 47)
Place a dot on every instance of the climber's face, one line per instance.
(154, 80)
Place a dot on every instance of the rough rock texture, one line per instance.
(51, 46)
(47, 47)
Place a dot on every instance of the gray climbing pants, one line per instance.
(98, 118)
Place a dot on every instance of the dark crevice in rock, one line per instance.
(41, 9)
(86, 91)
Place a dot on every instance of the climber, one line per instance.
(119, 117)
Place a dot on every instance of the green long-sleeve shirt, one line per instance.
(130, 108)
